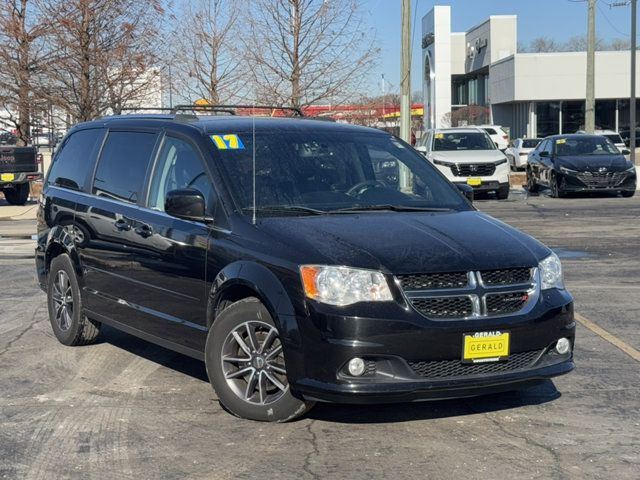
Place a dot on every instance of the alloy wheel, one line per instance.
(253, 363)
(62, 296)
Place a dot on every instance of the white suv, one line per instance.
(497, 134)
(467, 155)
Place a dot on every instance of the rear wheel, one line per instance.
(246, 365)
(532, 186)
(18, 195)
(69, 325)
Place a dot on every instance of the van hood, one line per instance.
(592, 163)
(399, 242)
(469, 156)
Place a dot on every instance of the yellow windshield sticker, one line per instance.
(560, 141)
(439, 135)
(229, 141)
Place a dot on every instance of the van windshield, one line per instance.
(447, 141)
(328, 172)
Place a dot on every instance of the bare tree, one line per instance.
(305, 51)
(543, 44)
(620, 44)
(105, 54)
(209, 63)
(21, 58)
(579, 43)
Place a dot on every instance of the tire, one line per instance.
(69, 325)
(628, 193)
(17, 195)
(244, 395)
(503, 193)
(532, 186)
(556, 191)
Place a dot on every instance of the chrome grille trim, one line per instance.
(477, 292)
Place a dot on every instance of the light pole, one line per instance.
(589, 111)
(632, 100)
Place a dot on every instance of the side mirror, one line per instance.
(466, 190)
(422, 149)
(544, 153)
(625, 151)
(186, 203)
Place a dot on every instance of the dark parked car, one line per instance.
(302, 260)
(580, 163)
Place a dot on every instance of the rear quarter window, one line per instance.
(123, 165)
(490, 131)
(76, 159)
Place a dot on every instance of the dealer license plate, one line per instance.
(7, 177)
(485, 347)
(474, 182)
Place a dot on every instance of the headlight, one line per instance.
(344, 286)
(441, 162)
(567, 170)
(500, 162)
(551, 272)
(631, 168)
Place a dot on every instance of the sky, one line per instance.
(556, 19)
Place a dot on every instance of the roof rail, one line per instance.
(231, 108)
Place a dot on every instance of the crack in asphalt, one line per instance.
(315, 450)
(30, 326)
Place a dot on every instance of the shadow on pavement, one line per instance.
(431, 410)
(154, 353)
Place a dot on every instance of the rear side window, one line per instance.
(123, 165)
(76, 159)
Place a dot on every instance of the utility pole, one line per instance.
(632, 100)
(405, 90)
(405, 74)
(590, 112)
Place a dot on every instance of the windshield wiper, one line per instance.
(393, 208)
(288, 209)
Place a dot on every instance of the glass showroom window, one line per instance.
(548, 118)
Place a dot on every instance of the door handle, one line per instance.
(144, 230)
(122, 225)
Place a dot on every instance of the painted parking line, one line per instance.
(612, 339)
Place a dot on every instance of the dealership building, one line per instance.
(478, 76)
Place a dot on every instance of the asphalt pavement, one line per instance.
(125, 409)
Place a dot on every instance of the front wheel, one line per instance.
(532, 186)
(554, 185)
(246, 365)
(503, 193)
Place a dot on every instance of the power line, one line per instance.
(610, 22)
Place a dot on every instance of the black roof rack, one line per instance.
(232, 108)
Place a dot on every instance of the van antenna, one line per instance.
(253, 158)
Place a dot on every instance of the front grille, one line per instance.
(455, 368)
(470, 294)
(504, 303)
(433, 280)
(444, 307)
(601, 179)
(473, 169)
(508, 276)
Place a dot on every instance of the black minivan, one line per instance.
(302, 260)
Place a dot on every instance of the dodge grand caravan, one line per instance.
(301, 260)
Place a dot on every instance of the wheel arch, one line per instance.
(59, 242)
(245, 279)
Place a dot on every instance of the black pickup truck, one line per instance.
(18, 167)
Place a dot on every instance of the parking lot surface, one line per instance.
(124, 408)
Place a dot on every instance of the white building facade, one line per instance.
(478, 77)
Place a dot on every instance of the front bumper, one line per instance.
(572, 182)
(397, 351)
(499, 178)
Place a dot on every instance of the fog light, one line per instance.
(563, 346)
(356, 366)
